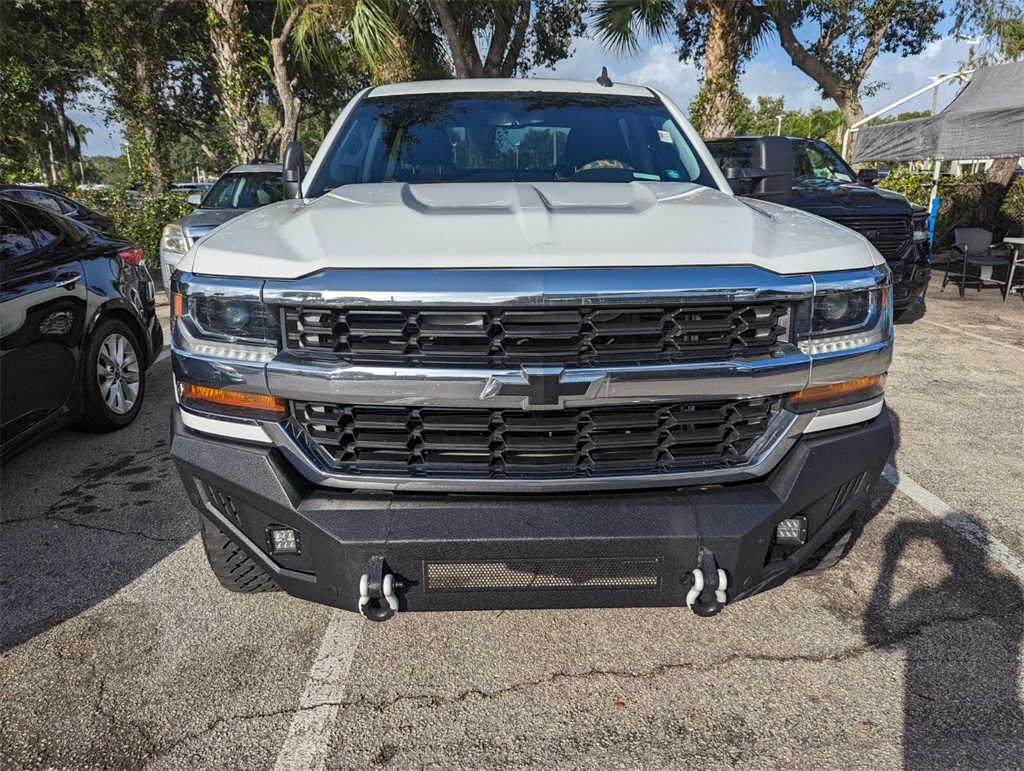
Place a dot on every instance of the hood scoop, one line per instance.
(554, 197)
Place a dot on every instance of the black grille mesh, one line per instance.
(221, 501)
(522, 444)
(540, 574)
(889, 234)
(505, 337)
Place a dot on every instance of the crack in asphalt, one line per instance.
(74, 523)
(890, 641)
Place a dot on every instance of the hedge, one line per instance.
(963, 202)
(137, 218)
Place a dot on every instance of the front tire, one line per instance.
(113, 378)
(235, 570)
(830, 553)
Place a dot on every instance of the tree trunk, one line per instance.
(53, 164)
(291, 105)
(148, 121)
(844, 92)
(465, 56)
(237, 92)
(997, 183)
(62, 131)
(717, 102)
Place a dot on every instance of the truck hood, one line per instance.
(202, 221)
(831, 198)
(521, 225)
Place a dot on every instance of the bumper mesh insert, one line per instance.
(518, 575)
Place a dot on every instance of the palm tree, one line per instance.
(724, 33)
(397, 40)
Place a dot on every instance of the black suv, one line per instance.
(824, 184)
(55, 202)
(78, 326)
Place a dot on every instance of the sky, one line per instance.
(770, 73)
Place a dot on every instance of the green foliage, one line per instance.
(14, 173)
(621, 24)
(964, 202)
(139, 219)
(1011, 213)
(849, 29)
(913, 114)
(816, 123)
(999, 24)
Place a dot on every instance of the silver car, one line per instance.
(240, 189)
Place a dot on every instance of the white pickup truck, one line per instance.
(518, 344)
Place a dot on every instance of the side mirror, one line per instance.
(294, 170)
(739, 179)
(770, 176)
(868, 177)
(774, 156)
(195, 199)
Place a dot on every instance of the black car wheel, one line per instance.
(114, 378)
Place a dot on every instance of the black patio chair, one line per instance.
(973, 248)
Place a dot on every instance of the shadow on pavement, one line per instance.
(961, 639)
(84, 515)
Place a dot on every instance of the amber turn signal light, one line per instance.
(837, 394)
(232, 403)
(179, 302)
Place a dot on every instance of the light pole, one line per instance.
(516, 145)
(778, 127)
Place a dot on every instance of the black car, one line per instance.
(824, 184)
(78, 326)
(59, 204)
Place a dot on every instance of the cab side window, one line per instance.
(15, 240)
(41, 199)
(44, 230)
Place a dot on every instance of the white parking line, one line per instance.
(959, 522)
(318, 707)
(163, 354)
(961, 332)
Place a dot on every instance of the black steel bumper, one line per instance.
(460, 552)
(910, 277)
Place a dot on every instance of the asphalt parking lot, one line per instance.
(120, 650)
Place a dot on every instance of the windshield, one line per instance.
(811, 160)
(516, 137)
(246, 190)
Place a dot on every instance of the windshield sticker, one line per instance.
(673, 174)
(664, 136)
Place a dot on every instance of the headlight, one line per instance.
(173, 240)
(921, 227)
(842, 317)
(224, 318)
(843, 311)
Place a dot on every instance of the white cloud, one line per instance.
(656, 66)
(769, 74)
(904, 75)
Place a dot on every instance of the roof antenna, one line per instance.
(603, 78)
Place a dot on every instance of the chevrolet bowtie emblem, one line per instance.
(544, 388)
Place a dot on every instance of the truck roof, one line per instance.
(511, 85)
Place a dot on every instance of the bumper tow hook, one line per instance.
(707, 594)
(373, 590)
